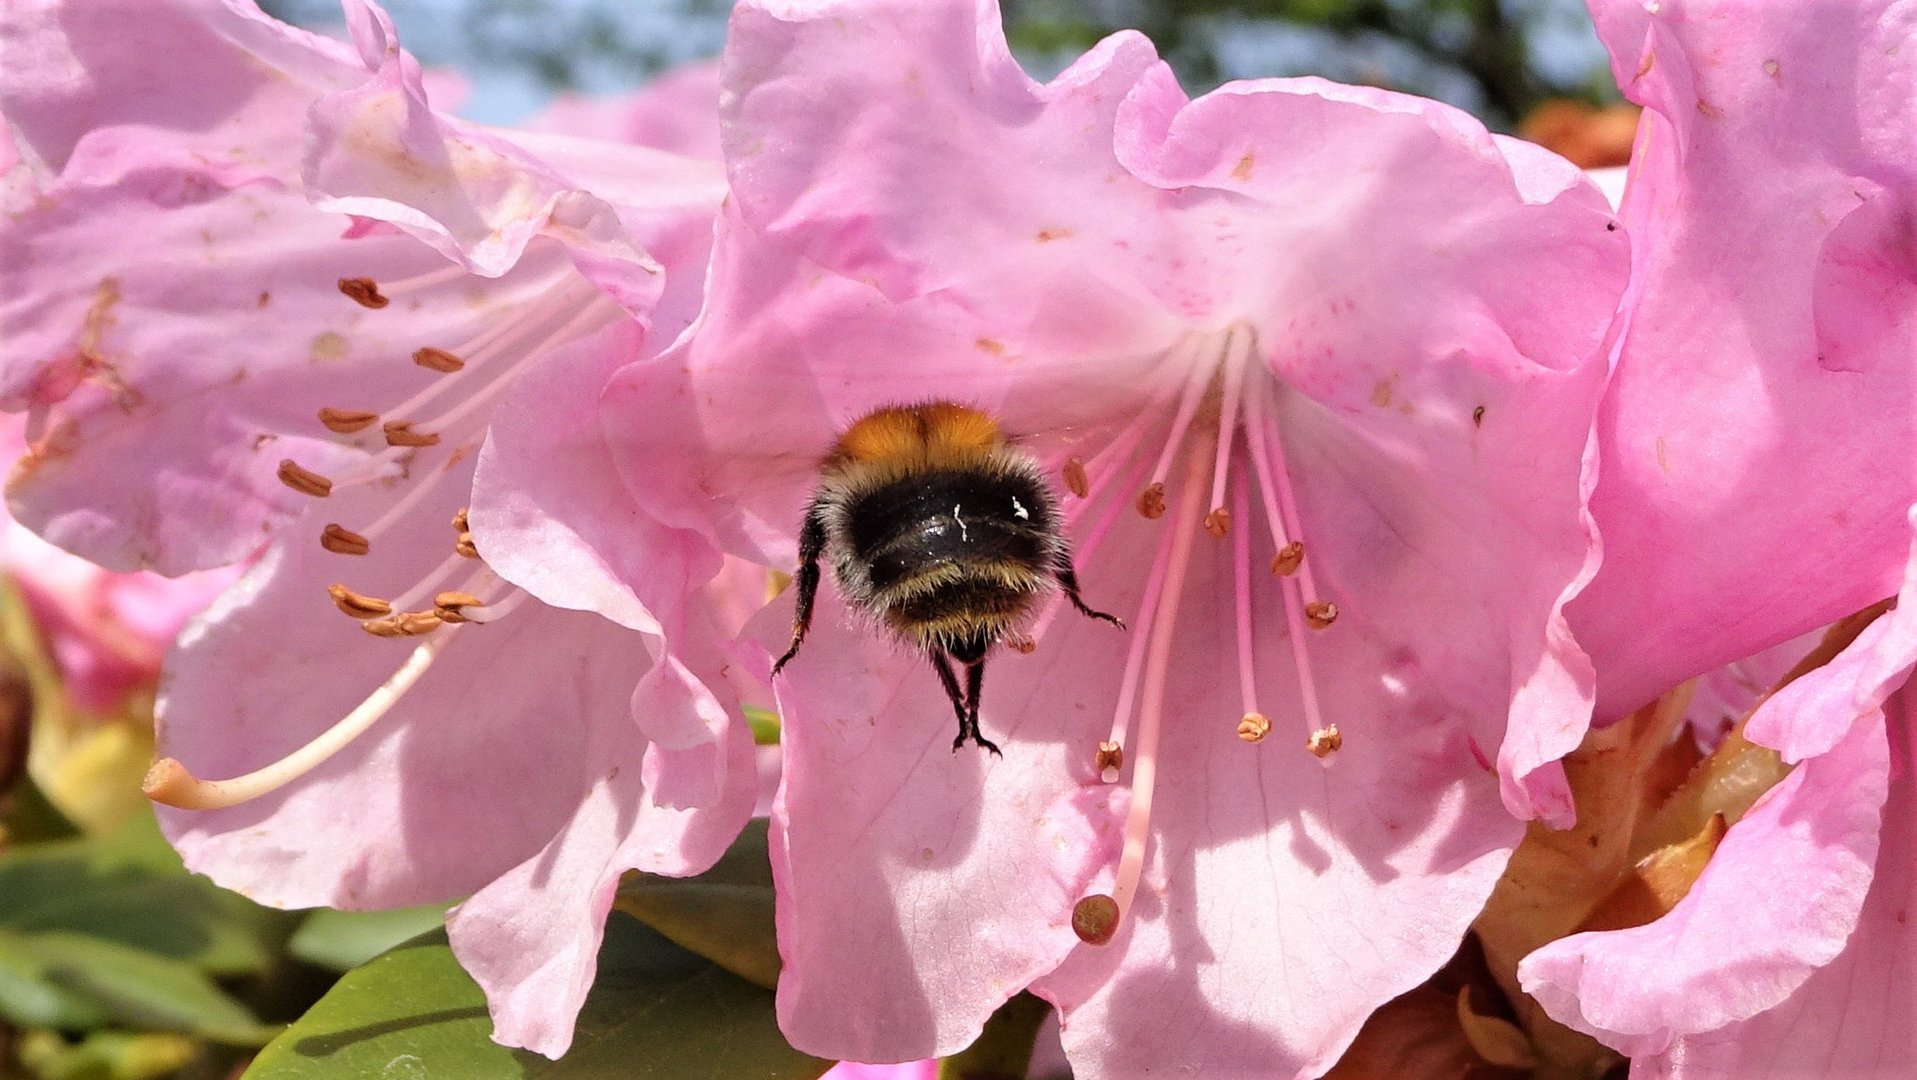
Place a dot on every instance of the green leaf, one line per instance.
(343, 940)
(655, 1010)
(129, 887)
(724, 914)
(141, 989)
(105, 1055)
(28, 1000)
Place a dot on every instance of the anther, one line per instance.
(1076, 481)
(401, 433)
(1108, 761)
(1325, 742)
(1254, 727)
(357, 605)
(450, 606)
(1288, 560)
(364, 292)
(304, 481)
(460, 524)
(464, 546)
(342, 541)
(1095, 919)
(1151, 501)
(405, 624)
(347, 421)
(1019, 643)
(1218, 522)
(438, 360)
(1321, 613)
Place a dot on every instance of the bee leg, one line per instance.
(975, 674)
(943, 664)
(811, 546)
(1068, 579)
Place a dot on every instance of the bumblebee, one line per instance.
(942, 531)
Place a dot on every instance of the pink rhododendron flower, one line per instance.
(211, 183)
(1760, 430)
(1759, 459)
(1786, 957)
(1287, 313)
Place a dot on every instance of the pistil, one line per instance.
(170, 783)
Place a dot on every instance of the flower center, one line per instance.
(425, 436)
(1231, 468)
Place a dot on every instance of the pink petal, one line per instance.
(920, 889)
(432, 803)
(1806, 717)
(546, 483)
(1763, 388)
(1781, 895)
(1854, 1018)
(191, 415)
(378, 151)
(219, 75)
(1777, 902)
(532, 937)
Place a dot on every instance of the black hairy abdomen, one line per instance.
(920, 523)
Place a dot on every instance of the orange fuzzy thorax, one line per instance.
(936, 433)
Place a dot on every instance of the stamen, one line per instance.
(401, 433)
(1287, 502)
(450, 606)
(364, 291)
(1164, 621)
(440, 577)
(402, 506)
(405, 624)
(170, 783)
(1325, 742)
(1189, 399)
(342, 541)
(438, 360)
(1218, 522)
(358, 605)
(304, 481)
(1076, 481)
(1321, 613)
(497, 609)
(1254, 726)
(1090, 539)
(1135, 652)
(526, 338)
(1151, 501)
(1109, 759)
(450, 272)
(347, 421)
(1288, 559)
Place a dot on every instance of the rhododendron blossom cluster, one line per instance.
(1402, 454)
